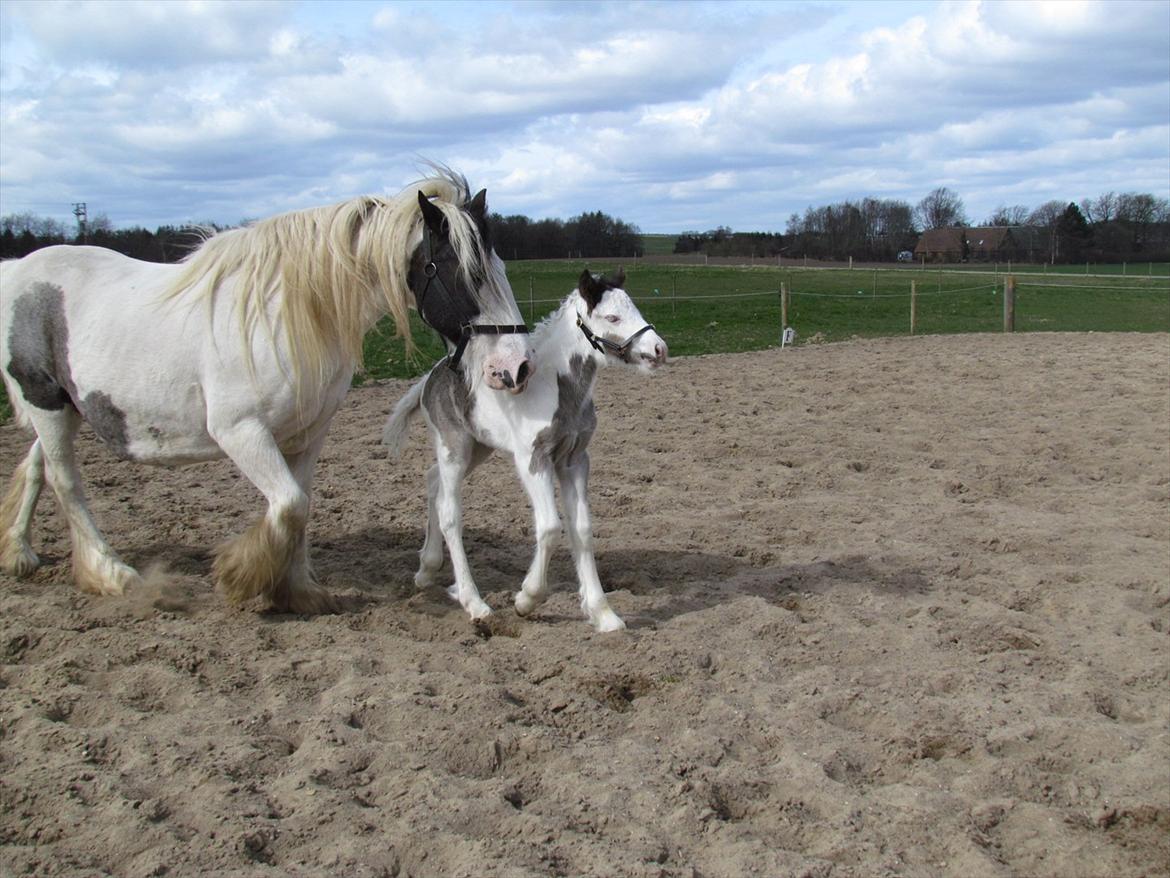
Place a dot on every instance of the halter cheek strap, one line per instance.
(605, 346)
(467, 330)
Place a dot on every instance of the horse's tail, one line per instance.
(397, 425)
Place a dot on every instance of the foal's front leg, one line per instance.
(574, 479)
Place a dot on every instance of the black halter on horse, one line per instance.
(466, 330)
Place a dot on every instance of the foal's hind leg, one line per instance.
(16, 511)
(96, 568)
(258, 562)
(453, 466)
(430, 557)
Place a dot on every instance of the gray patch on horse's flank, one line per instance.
(108, 421)
(39, 343)
(448, 403)
(574, 421)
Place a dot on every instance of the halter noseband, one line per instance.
(605, 346)
(466, 330)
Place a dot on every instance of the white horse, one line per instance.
(246, 350)
(547, 432)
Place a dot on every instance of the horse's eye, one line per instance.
(613, 318)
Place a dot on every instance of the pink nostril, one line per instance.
(522, 373)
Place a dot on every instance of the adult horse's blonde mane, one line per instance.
(327, 274)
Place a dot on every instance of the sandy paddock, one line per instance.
(896, 607)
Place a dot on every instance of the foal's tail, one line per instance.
(397, 425)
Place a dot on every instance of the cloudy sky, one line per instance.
(672, 116)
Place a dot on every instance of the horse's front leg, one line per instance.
(539, 485)
(453, 466)
(258, 563)
(300, 592)
(574, 479)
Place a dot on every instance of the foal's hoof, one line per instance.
(424, 579)
(476, 608)
(526, 603)
(607, 621)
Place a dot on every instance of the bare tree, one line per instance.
(1016, 215)
(1102, 209)
(940, 209)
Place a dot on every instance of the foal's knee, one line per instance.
(548, 534)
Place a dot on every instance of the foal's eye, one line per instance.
(613, 318)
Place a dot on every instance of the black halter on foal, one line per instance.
(466, 330)
(605, 346)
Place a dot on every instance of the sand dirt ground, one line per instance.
(896, 607)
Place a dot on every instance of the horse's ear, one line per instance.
(478, 204)
(590, 288)
(432, 216)
(620, 280)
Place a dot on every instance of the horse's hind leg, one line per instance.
(16, 555)
(96, 567)
(258, 563)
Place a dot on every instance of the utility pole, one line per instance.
(82, 221)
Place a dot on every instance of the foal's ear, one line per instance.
(618, 282)
(591, 288)
(432, 216)
(478, 204)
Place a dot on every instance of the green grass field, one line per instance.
(709, 309)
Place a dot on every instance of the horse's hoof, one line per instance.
(311, 601)
(22, 562)
(424, 579)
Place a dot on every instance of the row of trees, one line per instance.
(872, 229)
(724, 242)
(1110, 228)
(588, 235)
(514, 237)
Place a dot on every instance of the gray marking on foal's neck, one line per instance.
(448, 403)
(574, 421)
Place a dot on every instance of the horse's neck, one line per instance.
(558, 340)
